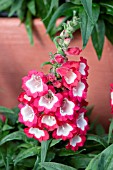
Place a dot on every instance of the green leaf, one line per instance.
(50, 156)
(86, 24)
(63, 9)
(109, 32)
(89, 110)
(28, 24)
(21, 13)
(87, 7)
(44, 148)
(54, 142)
(46, 63)
(4, 4)
(54, 3)
(109, 6)
(80, 161)
(7, 127)
(14, 136)
(110, 131)
(36, 165)
(97, 139)
(31, 7)
(15, 6)
(55, 166)
(109, 18)
(10, 114)
(76, 2)
(98, 35)
(27, 153)
(100, 130)
(64, 152)
(103, 161)
(5, 110)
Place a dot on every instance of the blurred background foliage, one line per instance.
(96, 17)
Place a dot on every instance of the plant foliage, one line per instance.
(96, 17)
(19, 152)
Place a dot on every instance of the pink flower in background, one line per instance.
(2, 117)
(112, 98)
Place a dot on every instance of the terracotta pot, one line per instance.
(17, 57)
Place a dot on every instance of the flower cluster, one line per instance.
(53, 105)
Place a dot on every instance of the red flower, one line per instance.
(65, 131)
(112, 98)
(27, 115)
(24, 98)
(80, 91)
(66, 110)
(48, 102)
(76, 142)
(35, 84)
(83, 69)
(81, 122)
(37, 133)
(69, 74)
(48, 121)
(73, 51)
(60, 59)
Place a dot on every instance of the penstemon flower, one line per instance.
(54, 104)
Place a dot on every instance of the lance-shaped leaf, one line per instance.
(103, 161)
(4, 4)
(14, 136)
(55, 166)
(28, 24)
(98, 35)
(87, 4)
(86, 24)
(27, 153)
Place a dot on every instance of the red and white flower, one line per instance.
(76, 142)
(48, 102)
(79, 91)
(35, 84)
(112, 98)
(83, 69)
(24, 98)
(69, 74)
(66, 110)
(82, 122)
(48, 121)
(27, 115)
(64, 131)
(37, 133)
